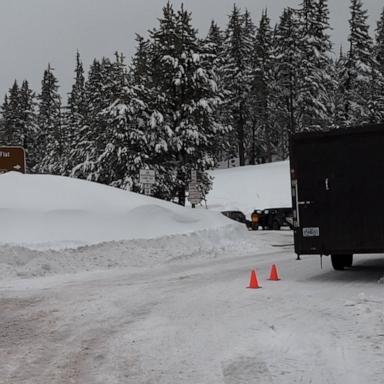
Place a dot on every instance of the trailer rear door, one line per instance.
(309, 199)
(340, 192)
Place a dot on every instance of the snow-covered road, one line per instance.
(193, 321)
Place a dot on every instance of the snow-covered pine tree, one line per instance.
(51, 141)
(144, 89)
(104, 87)
(213, 46)
(28, 124)
(213, 43)
(126, 151)
(379, 43)
(84, 152)
(236, 75)
(3, 127)
(261, 140)
(139, 69)
(91, 139)
(19, 121)
(13, 134)
(377, 81)
(356, 80)
(75, 116)
(2, 130)
(123, 149)
(315, 86)
(287, 60)
(339, 97)
(186, 94)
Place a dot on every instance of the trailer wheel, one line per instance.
(339, 262)
(348, 260)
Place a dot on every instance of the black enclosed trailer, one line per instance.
(338, 192)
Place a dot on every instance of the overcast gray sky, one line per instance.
(35, 32)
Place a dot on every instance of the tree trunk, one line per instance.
(240, 131)
(181, 195)
(252, 158)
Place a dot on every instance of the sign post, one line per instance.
(194, 193)
(147, 178)
(12, 159)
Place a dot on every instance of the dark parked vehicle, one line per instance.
(275, 218)
(338, 192)
(237, 216)
(272, 218)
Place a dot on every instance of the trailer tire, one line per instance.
(348, 260)
(339, 262)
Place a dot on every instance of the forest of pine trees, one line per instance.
(187, 102)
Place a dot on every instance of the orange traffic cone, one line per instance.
(274, 276)
(253, 284)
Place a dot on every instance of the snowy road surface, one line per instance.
(193, 321)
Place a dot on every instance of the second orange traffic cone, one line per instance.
(253, 284)
(274, 275)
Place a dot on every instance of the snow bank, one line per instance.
(53, 225)
(21, 262)
(43, 211)
(251, 187)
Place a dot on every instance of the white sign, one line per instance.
(311, 232)
(194, 195)
(193, 187)
(147, 176)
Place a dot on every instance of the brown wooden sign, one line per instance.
(12, 159)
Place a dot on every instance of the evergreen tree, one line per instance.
(356, 79)
(19, 121)
(28, 124)
(13, 134)
(379, 46)
(287, 61)
(73, 119)
(214, 42)
(122, 144)
(377, 81)
(238, 47)
(126, 151)
(339, 97)
(315, 86)
(141, 62)
(213, 47)
(104, 86)
(51, 141)
(262, 139)
(186, 99)
(2, 131)
(3, 126)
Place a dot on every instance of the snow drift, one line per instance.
(46, 211)
(251, 187)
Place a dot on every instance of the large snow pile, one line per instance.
(45, 211)
(251, 187)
